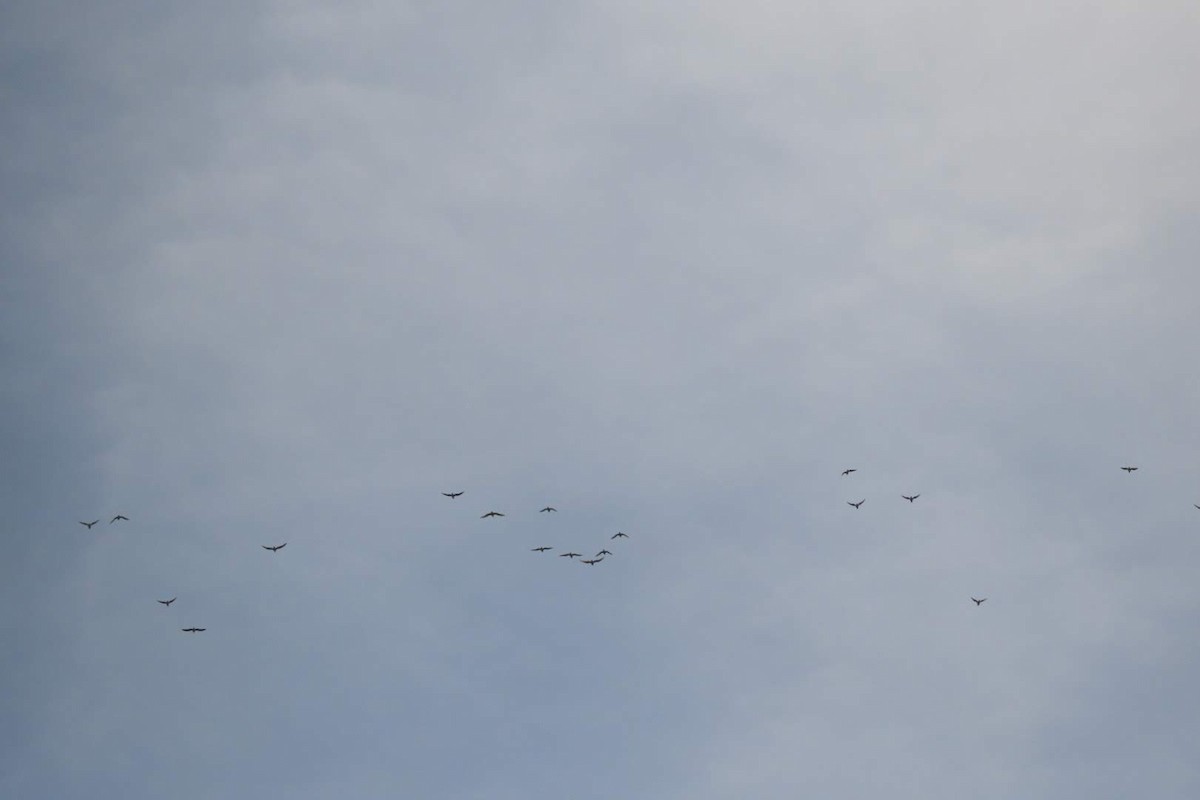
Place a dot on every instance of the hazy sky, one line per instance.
(287, 271)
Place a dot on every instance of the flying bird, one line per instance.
(541, 549)
(1195, 505)
(979, 602)
(569, 555)
(848, 471)
(117, 517)
(548, 508)
(619, 535)
(1129, 469)
(492, 514)
(193, 630)
(603, 553)
(858, 504)
(591, 561)
(451, 495)
(89, 525)
(274, 549)
(910, 499)
(168, 602)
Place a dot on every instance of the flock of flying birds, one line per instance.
(591, 562)
(596, 559)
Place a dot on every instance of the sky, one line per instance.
(287, 272)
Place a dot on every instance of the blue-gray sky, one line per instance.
(286, 272)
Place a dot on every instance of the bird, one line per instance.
(619, 535)
(846, 472)
(117, 517)
(569, 555)
(1129, 469)
(89, 525)
(548, 508)
(168, 602)
(591, 561)
(858, 504)
(540, 549)
(274, 549)
(451, 495)
(603, 553)
(910, 499)
(193, 630)
(1195, 505)
(979, 602)
(492, 514)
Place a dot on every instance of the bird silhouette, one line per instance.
(492, 514)
(910, 499)
(1129, 469)
(979, 602)
(603, 553)
(168, 602)
(541, 549)
(548, 508)
(569, 555)
(858, 504)
(274, 549)
(619, 535)
(591, 561)
(193, 630)
(846, 472)
(89, 525)
(117, 517)
(452, 495)
(1195, 505)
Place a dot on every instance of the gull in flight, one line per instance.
(548, 508)
(979, 602)
(846, 472)
(451, 495)
(168, 602)
(193, 630)
(492, 514)
(569, 555)
(858, 504)
(117, 517)
(274, 549)
(1129, 469)
(89, 525)
(541, 549)
(619, 535)
(910, 499)
(602, 553)
(591, 561)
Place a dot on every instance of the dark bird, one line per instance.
(603, 553)
(548, 508)
(848, 471)
(541, 549)
(451, 495)
(619, 535)
(168, 602)
(492, 514)
(569, 555)
(858, 504)
(1195, 505)
(117, 517)
(274, 549)
(979, 602)
(193, 630)
(910, 499)
(89, 525)
(1129, 469)
(591, 561)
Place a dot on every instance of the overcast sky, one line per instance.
(286, 272)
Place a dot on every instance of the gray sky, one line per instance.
(284, 272)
